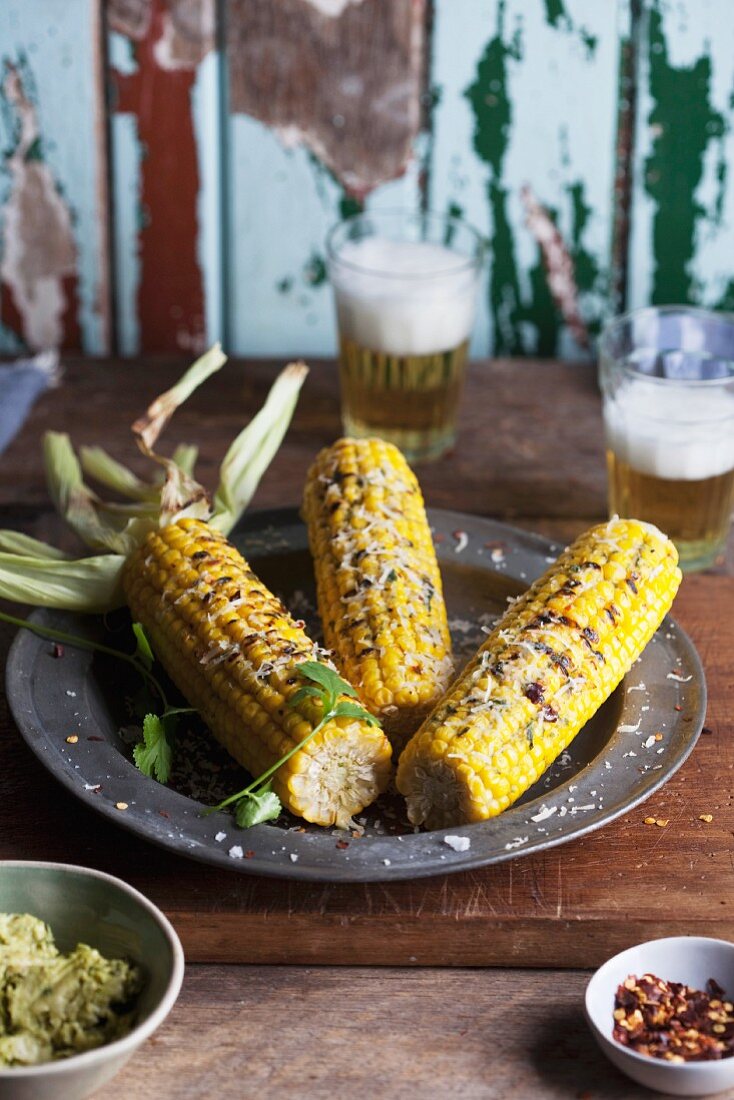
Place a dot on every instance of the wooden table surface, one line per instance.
(529, 451)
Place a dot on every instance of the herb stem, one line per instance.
(53, 635)
(261, 779)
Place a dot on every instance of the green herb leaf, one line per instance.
(154, 754)
(326, 677)
(354, 710)
(308, 691)
(143, 651)
(257, 807)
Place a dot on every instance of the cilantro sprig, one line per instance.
(154, 754)
(258, 802)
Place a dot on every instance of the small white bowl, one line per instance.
(86, 906)
(689, 959)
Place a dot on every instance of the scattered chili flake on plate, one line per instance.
(58, 650)
(671, 1021)
(342, 844)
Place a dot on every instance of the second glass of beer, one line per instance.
(406, 290)
(667, 377)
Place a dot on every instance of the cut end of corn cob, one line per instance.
(233, 650)
(550, 662)
(379, 586)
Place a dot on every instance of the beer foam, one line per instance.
(678, 436)
(382, 309)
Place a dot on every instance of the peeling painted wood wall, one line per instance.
(169, 168)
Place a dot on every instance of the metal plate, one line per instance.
(611, 766)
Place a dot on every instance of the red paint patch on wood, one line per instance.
(70, 317)
(10, 315)
(170, 297)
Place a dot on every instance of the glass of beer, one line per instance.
(406, 291)
(667, 379)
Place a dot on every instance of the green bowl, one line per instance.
(86, 906)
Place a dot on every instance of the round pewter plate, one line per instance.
(634, 743)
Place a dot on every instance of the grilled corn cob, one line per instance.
(379, 587)
(233, 650)
(551, 661)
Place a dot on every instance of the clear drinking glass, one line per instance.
(406, 291)
(667, 379)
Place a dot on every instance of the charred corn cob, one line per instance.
(379, 587)
(233, 650)
(551, 661)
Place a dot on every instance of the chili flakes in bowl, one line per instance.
(672, 1021)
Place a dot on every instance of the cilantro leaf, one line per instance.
(143, 651)
(354, 710)
(326, 677)
(308, 691)
(256, 807)
(154, 755)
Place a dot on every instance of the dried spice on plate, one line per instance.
(671, 1021)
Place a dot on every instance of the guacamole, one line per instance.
(54, 1005)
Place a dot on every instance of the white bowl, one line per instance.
(689, 959)
(86, 906)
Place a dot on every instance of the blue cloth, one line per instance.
(20, 384)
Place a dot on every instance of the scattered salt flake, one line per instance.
(573, 787)
(637, 687)
(630, 729)
(563, 811)
(497, 555)
(458, 843)
(235, 852)
(462, 540)
(71, 694)
(678, 678)
(294, 857)
(659, 751)
(649, 743)
(91, 786)
(578, 809)
(220, 837)
(516, 843)
(607, 765)
(629, 754)
(386, 862)
(550, 560)
(544, 813)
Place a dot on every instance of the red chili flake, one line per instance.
(342, 844)
(93, 738)
(535, 692)
(672, 1021)
(300, 623)
(249, 853)
(439, 537)
(677, 707)
(58, 650)
(163, 813)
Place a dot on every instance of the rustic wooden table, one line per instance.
(529, 451)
